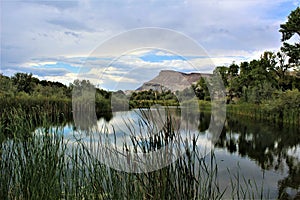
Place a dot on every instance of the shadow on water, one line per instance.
(275, 149)
(271, 148)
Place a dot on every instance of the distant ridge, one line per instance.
(172, 80)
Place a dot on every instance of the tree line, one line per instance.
(27, 92)
(270, 77)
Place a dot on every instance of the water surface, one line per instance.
(251, 151)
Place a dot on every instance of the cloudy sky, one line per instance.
(64, 40)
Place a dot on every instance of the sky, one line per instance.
(110, 43)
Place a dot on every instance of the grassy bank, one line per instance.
(149, 103)
(263, 112)
(277, 112)
(52, 106)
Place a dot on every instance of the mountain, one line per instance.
(172, 80)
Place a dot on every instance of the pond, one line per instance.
(244, 149)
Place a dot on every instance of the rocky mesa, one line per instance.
(172, 80)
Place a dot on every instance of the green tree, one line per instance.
(24, 82)
(256, 81)
(201, 89)
(223, 71)
(233, 83)
(233, 69)
(7, 89)
(288, 30)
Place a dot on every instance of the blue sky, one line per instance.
(56, 40)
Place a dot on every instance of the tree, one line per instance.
(24, 82)
(6, 86)
(288, 30)
(233, 69)
(201, 89)
(245, 69)
(281, 70)
(223, 71)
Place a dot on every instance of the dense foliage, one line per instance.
(288, 30)
(15, 90)
(150, 97)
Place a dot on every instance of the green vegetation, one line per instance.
(151, 97)
(268, 88)
(288, 30)
(23, 88)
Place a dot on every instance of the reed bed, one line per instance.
(265, 113)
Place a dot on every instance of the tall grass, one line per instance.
(43, 164)
(48, 105)
(262, 112)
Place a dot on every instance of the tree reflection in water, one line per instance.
(271, 147)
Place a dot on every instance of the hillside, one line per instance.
(172, 80)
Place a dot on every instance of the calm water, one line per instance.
(244, 148)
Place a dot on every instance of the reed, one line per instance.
(265, 112)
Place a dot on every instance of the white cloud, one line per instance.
(66, 79)
(119, 79)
